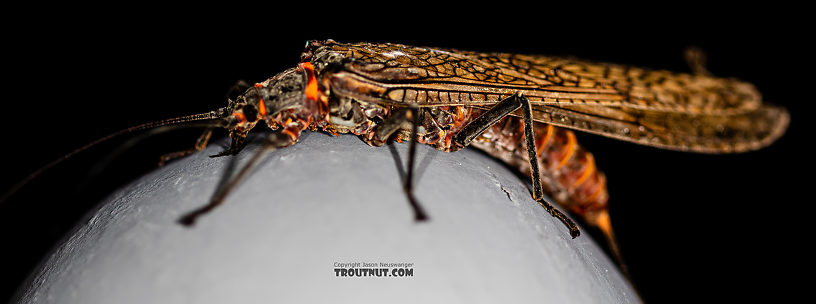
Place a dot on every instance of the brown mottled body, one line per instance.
(363, 84)
(451, 99)
(356, 88)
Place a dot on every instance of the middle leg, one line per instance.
(385, 131)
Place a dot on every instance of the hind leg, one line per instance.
(494, 115)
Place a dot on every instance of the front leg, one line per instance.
(236, 145)
(476, 127)
(273, 141)
(201, 143)
(387, 129)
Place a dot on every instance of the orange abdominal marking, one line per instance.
(544, 140)
(600, 189)
(603, 222)
(588, 170)
(570, 148)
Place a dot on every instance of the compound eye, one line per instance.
(251, 112)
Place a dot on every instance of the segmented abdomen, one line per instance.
(568, 172)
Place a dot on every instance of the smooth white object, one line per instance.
(323, 201)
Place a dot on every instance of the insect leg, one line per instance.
(276, 140)
(491, 117)
(201, 143)
(476, 127)
(408, 186)
(385, 130)
(236, 145)
(389, 126)
(237, 138)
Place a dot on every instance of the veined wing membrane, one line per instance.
(652, 107)
(427, 77)
(676, 131)
(705, 133)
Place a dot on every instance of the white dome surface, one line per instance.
(327, 200)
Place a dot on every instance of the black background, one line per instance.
(690, 225)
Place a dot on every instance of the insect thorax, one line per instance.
(437, 125)
(348, 115)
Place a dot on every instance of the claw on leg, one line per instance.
(238, 143)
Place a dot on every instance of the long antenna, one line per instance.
(220, 113)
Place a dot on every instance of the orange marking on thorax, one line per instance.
(311, 85)
(312, 92)
(261, 105)
(262, 108)
(240, 116)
